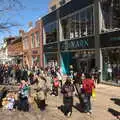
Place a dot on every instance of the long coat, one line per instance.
(41, 89)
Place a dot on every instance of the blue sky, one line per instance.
(33, 9)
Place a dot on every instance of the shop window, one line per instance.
(111, 65)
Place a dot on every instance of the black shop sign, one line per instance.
(83, 43)
(51, 47)
(110, 39)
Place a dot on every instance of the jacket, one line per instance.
(67, 90)
(88, 85)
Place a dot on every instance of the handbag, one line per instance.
(93, 93)
(84, 98)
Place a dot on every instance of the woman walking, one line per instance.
(67, 91)
(41, 92)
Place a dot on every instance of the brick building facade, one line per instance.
(33, 46)
(15, 49)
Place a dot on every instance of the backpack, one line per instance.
(56, 82)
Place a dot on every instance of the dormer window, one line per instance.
(62, 2)
(53, 8)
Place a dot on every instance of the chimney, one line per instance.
(21, 32)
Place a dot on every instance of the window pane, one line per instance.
(110, 14)
(51, 32)
(89, 21)
(72, 26)
(77, 24)
(37, 39)
(83, 23)
(65, 28)
(33, 43)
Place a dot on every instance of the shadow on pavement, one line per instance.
(113, 112)
(79, 107)
(62, 108)
(116, 101)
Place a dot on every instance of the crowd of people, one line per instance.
(34, 84)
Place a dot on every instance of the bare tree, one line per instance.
(7, 8)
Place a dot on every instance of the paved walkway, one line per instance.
(105, 107)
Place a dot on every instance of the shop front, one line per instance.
(110, 44)
(80, 53)
(35, 57)
(50, 54)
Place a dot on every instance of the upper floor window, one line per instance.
(37, 39)
(25, 43)
(33, 42)
(78, 25)
(62, 2)
(53, 8)
(51, 32)
(110, 12)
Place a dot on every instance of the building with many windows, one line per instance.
(32, 45)
(84, 34)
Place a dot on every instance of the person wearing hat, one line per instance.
(67, 91)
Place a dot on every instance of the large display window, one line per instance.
(84, 61)
(111, 64)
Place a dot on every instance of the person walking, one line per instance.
(55, 85)
(67, 91)
(87, 86)
(41, 92)
(24, 91)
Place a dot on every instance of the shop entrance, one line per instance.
(84, 61)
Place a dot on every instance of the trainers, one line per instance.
(90, 111)
(69, 114)
(53, 95)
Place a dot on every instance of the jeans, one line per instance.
(68, 102)
(23, 104)
(87, 107)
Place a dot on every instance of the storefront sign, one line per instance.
(115, 38)
(110, 39)
(84, 43)
(51, 47)
(35, 52)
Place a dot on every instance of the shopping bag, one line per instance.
(93, 93)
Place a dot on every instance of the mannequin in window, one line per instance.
(109, 72)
